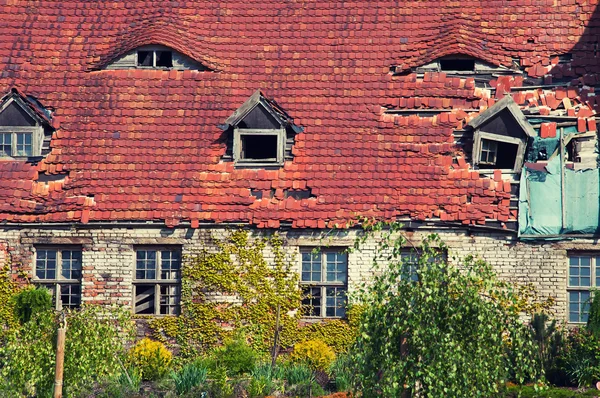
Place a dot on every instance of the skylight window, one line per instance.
(155, 58)
(457, 64)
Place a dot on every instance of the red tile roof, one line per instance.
(145, 144)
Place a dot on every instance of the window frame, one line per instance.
(594, 274)
(479, 136)
(323, 284)
(55, 284)
(36, 131)
(157, 281)
(237, 146)
(153, 50)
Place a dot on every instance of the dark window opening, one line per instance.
(145, 58)
(164, 59)
(144, 299)
(457, 64)
(259, 146)
(497, 155)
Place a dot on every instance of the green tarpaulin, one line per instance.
(540, 207)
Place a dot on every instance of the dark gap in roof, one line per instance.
(53, 177)
(458, 64)
(565, 58)
(531, 40)
(299, 194)
(258, 194)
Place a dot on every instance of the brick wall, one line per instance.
(109, 256)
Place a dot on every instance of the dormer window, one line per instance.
(155, 57)
(261, 133)
(25, 128)
(500, 137)
(460, 64)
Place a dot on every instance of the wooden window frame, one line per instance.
(37, 135)
(157, 282)
(594, 274)
(153, 50)
(237, 146)
(482, 135)
(55, 284)
(323, 284)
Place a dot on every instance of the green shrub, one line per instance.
(441, 329)
(301, 381)
(593, 323)
(31, 301)
(93, 346)
(314, 353)
(189, 377)
(237, 357)
(341, 373)
(151, 358)
(219, 387)
(580, 359)
(265, 380)
(122, 385)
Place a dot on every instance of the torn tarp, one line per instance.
(540, 201)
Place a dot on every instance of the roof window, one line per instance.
(460, 64)
(155, 57)
(500, 137)
(25, 128)
(260, 133)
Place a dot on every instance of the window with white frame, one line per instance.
(157, 281)
(59, 270)
(324, 279)
(16, 144)
(583, 276)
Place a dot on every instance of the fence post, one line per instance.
(60, 357)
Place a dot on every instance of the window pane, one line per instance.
(170, 264)
(145, 58)
(145, 264)
(144, 299)
(164, 59)
(337, 265)
(311, 267)
(5, 144)
(578, 306)
(311, 301)
(410, 266)
(335, 302)
(579, 271)
(71, 264)
(24, 145)
(70, 296)
(45, 264)
(169, 299)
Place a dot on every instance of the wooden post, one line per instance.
(563, 194)
(275, 340)
(60, 358)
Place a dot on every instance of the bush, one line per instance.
(313, 353)
(265, 380)
(580, 359)
(341, 374)
(439, 330)
(31, 301)
(189, 377)
(93, 347)
(237, 357)
(151, 358)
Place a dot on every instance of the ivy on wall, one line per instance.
(236, 288)
(8, 288)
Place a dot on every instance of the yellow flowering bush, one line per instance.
(313, 353)
(151, 358)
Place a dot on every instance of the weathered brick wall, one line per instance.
(109, 254)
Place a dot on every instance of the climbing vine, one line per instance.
(237, 287)
(8, 288)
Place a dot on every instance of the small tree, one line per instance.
(438, 330)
